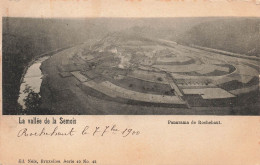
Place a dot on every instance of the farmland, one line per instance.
(117, 76)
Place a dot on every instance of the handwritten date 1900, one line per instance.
(102, 131)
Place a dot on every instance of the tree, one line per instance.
(32, 101)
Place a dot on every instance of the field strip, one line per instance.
(79, 76)
(112, 90)
(209, 93)
(148, 76)
(244, 90)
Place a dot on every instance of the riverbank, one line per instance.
(50, 53)
(32, 78)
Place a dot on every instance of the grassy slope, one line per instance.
(234, 35)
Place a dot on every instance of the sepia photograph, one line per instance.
(131, 66)
(130, 82)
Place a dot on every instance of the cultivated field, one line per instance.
(118, 73)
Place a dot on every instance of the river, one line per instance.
(32, 79)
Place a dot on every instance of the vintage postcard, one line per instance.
(172, 82)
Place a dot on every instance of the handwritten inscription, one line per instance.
(87, 130)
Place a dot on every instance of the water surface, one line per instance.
(31, 79)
